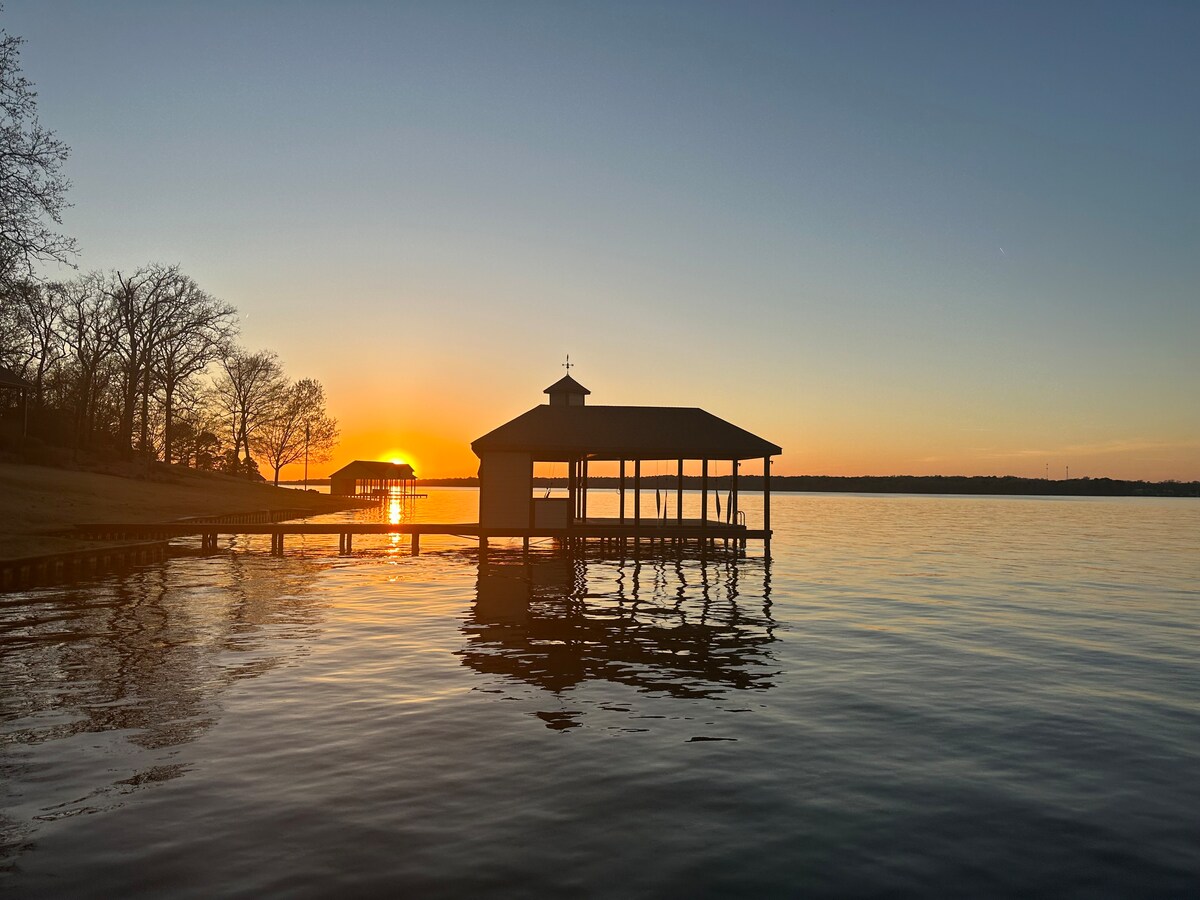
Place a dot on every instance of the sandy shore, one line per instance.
(36, 501)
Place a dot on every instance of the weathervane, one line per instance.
(567, 365)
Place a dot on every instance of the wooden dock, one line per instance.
(609, 532)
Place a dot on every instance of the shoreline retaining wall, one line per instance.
(54, 568)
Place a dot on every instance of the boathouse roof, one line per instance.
(370, 468)
(553, 433)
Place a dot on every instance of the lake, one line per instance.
(955, 696)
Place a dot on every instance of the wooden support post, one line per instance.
(704, 493)
(571, 489)
(733, 494)
(621, 490)
(637, 494)
(416, 543)
(583, 499)
(679, 495)
(767, 506)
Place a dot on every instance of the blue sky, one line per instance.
(891, 237)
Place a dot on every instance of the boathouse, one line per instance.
(568, 430)
(371, 478)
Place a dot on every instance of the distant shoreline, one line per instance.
(879, 484)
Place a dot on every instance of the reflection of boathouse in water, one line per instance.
(670, 625)
(567, 430)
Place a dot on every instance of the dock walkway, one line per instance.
(609, 530)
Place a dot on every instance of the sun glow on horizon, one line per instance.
(398, 458)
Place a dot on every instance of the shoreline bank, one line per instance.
(40, 504)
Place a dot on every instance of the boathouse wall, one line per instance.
(506, 489)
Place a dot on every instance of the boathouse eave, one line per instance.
(562, 433)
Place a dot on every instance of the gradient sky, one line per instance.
(890, 237)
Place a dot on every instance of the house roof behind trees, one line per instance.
(10, 379)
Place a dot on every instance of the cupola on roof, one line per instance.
(566, 392)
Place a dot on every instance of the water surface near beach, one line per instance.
(920, 695)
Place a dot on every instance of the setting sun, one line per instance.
(398, 457)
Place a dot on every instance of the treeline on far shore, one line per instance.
(891, 484)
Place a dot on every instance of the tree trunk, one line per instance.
(128, 404)
(168, 415)
(144, 439)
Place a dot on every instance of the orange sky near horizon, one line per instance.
(819, 435)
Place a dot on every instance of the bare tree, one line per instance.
(194, 425)
(248, 391)
(38, 315)
(200, 330)
(142, 314)
(13, 335)
(32, 186)
(301, 426)
(89, 334)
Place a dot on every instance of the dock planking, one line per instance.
(208, 531)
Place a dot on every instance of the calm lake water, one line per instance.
(920, 696)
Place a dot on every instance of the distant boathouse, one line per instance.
(369, 478)
(567, 430)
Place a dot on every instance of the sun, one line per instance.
(397, 457)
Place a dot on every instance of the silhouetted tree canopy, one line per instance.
(32, 186)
